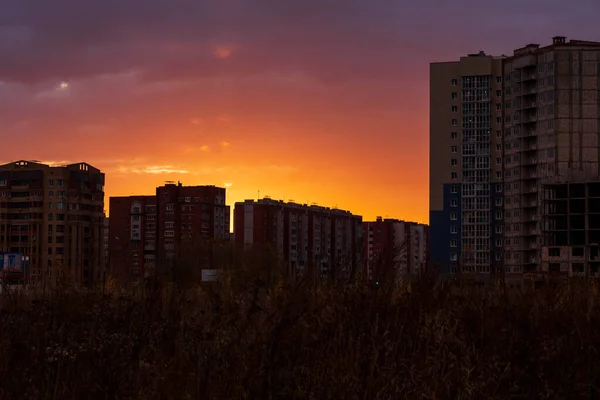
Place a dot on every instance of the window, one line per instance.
(498, 161)
(498, 93)
(170, 207)
(453, 243)
(3, 182)
(499, 215)
(169, 233)
(498, 134)
(498, 174)
(554, 252)
(498, 79)
(60, 182)
(454, 82)
(498, 228)
(453, 203)
(453, 216)
(498, 120)
(498, 201)
(498, 242)
(454, 109)
(453, 257)
(454, 135)
(50, 217)
(454, 122)
(51, 182)
(497, 256)
(453, 189)
(454, 162)
(453, 230)
(454, 149)
(454, 95)
(60, 205)
(453, 175)
(498, 147)
(498, 106)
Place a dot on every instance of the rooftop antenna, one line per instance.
(258, 194)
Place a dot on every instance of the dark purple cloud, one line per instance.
(334, 40)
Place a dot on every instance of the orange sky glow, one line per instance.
(314, 101)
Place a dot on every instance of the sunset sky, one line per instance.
(320, 101)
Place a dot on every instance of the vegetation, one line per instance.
(246, 338)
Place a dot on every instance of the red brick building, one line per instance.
(149, 231)
(309, 239)
(407, 243)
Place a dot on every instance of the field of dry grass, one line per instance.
(247, 339)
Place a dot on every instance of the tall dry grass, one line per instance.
(246, 339)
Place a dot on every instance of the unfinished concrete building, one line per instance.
(551, 112)
(571, 226)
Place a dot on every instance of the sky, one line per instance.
(316, 101)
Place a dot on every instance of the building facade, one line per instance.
(544, 113)
(54, 217)
(132, 238)
(550, 135)
(318, 241)
(151, 231)
(406, 242)
(466, 164)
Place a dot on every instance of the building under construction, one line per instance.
(571, 228)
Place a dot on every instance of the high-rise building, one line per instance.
(149, 231)
(407, 243)
(132, 238)
(106, 258)
(543, 108)
(551, 124)
(54, 217)
(466, 164)
(308, 239)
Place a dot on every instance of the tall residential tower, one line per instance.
(466, 164)
(504, 132)
(551, 135)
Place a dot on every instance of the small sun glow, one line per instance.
(63, 86)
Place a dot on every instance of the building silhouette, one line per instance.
(314, 241)
(147, 232)
(54, 217)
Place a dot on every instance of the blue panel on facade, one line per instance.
(441, 230)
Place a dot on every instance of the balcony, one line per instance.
(529, 161)
(528, 105)
(529, 133)
(530, 119)
(530, 175)
(530, 146)
(530, 204)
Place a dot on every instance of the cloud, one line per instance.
(223, 51)
(155, 169)
(225, 144)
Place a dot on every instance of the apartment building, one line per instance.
(550, 137)
(132, 238)
(466, 190)
(407, 243)
(151, 231)
(313, 240)
(106, 257)
(53, 216)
